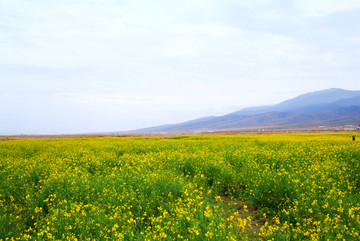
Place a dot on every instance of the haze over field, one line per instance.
(101, 66)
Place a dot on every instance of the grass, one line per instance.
(281, 187)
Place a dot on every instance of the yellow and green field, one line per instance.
(240, 187)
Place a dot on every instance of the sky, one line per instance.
(85, 66)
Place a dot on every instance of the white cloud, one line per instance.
(318, 8)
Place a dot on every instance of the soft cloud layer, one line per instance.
(88, 66)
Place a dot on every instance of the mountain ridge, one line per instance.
(329, 105)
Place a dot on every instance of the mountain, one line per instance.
(330, 105)
(307, 103)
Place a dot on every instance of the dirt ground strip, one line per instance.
(169, 135)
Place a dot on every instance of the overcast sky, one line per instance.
(79, 66)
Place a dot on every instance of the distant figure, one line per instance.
(353, 138)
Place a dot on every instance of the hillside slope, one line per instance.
(331, 105)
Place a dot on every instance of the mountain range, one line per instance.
(325, 106)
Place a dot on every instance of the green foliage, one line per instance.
(293, 187)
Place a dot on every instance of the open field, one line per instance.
(197, 187)
(294, 129)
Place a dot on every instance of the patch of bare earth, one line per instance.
(239, 210)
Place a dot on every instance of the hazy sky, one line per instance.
(74, 66)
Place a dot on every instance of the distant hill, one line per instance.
(330, 105)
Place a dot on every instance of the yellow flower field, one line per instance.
(240, 187)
